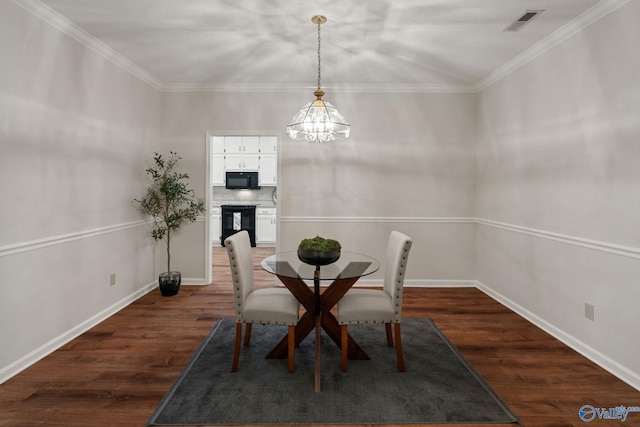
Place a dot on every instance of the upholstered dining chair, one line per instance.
(266, 306)
(379, 306)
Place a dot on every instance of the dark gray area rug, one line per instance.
(439, 386)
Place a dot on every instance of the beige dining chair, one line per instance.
(273, 306)
(379, 306)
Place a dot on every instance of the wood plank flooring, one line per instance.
(116, 373)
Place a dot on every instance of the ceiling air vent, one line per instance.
(523, 20)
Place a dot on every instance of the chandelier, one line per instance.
(318, 121)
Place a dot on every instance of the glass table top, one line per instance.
(288, 264)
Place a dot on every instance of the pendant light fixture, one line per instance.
(318, 121)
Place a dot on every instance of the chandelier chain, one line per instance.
(319, 22)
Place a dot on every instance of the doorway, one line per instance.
(240, 152)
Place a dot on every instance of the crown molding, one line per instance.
(343, 88)
(72, 30)
(598, 11)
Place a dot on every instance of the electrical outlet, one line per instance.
(589, 311)
(112, 279)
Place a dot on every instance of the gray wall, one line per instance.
(558, 190)
(75, 130)
(410, 165)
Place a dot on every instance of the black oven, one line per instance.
(236, 218)
(242, 180)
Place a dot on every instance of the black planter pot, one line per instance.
(169, 283)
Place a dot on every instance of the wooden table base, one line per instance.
(319, 317)
(318, 352)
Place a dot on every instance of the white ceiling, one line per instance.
(366, 44)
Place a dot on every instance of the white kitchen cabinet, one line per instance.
(266, 225)
(215, 226)
(244, 153)
(241, 144)
(217, 144)
(268, 169)
(233, 144)
(250, 144)
(233, 162)
(268, 160)
(241, 162)
(268, 145)
(251, 161)
(217, 168)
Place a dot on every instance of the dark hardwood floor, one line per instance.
(116, 373)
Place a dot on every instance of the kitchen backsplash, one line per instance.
(265, 196)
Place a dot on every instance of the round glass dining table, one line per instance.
(343, 274)
(288, 264)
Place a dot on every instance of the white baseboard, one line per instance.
(53, 345)
(605, 362)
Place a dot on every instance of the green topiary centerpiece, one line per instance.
(319, 251)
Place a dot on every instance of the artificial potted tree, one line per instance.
(170, 202)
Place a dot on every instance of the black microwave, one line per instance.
(242, 181)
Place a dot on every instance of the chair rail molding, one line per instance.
(612, 248)
(391, 219)
(32, 245)
(599, 245)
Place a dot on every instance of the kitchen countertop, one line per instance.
(258, 203)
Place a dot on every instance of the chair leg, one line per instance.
(291, 348)
(247, 334)
(236, 351)
(399, 348)
(344, 345)
(389, 336)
